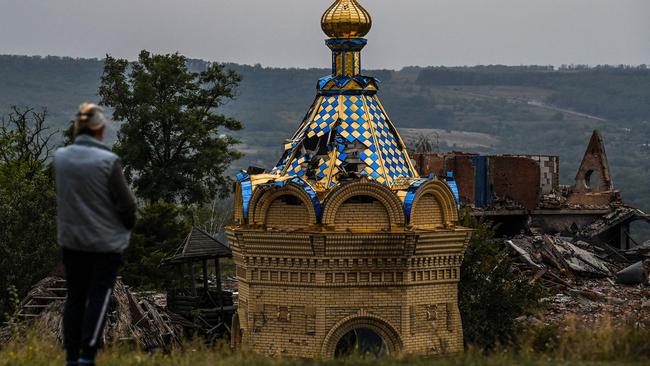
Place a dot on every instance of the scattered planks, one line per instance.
(130, 320)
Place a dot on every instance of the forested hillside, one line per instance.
(528, 109)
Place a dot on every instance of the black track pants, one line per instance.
(90, 278)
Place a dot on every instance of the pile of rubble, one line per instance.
(615, 218)
(585, 280)
(138, 320)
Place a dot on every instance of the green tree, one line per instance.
(28, 249)
(171, 143)
(491, 292)
(160, 229)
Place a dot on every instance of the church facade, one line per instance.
(342, 247)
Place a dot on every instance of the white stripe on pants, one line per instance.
(100, 319)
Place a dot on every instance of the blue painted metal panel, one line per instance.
(410, 197)
(482, 189)
(451, 182)
(246, 191)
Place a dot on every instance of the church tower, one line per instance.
(341, 246)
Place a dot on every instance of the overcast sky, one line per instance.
(287, 32)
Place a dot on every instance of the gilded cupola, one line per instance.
(346, 19)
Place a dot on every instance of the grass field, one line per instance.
(42, 354)
(563, 345)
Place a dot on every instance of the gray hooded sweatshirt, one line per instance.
(95, 208)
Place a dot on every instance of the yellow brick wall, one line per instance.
(372, 216)
(426, 316)
(427, 213)
(302, 288)
(282, 214)
(290, 304)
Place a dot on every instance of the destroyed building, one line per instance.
(523, 192)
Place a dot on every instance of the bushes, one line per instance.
(28, 249)
(491, 293)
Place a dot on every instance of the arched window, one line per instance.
(592, 180)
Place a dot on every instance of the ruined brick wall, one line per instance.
(430, 163)
(516, 179)
(465, 175)
(460, 164)
(593, 185)
(593, 174)
(522, 178)
(549, 167)
(599, 199)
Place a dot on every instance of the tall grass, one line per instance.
(603, 341)
(568, 344)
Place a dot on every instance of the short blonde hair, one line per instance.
(89, 119)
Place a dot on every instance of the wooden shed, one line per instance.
(196, 294)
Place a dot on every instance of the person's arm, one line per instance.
(121, 195)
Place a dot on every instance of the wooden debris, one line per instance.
(130, 320)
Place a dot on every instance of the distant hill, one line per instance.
(525, 109)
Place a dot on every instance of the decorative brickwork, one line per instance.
(434, 206)
(302, 290)
(340, 204)
(428, 214)
(288, 207)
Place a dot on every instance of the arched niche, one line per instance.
(362, 212)
(427, 213)
(363, 204)
(286, 207)
(433, 206)
(382, 328)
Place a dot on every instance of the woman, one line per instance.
(95, 216)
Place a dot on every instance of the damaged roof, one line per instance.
(199, 245)
(614, 218)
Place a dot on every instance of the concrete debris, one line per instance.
(632, 275)
(580, 260)
(523, 253)
(593, 300)
(529, 320)
(560, 254)
(583, 280)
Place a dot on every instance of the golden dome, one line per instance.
(346, 19)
